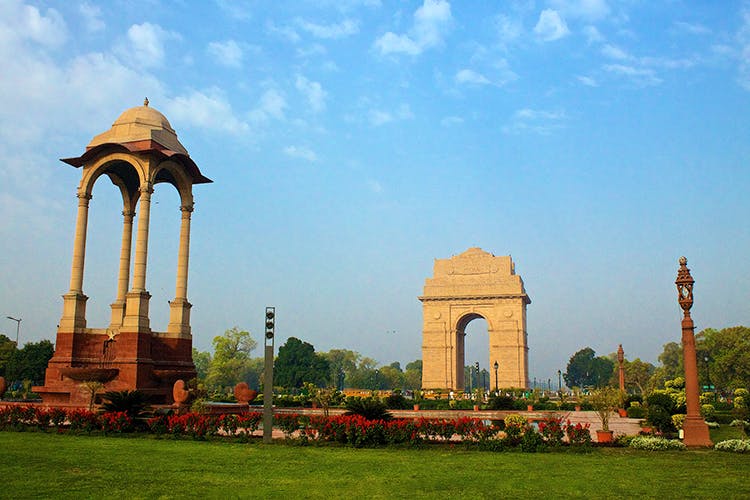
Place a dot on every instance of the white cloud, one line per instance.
(614, 52)
(227, 53)
(300, 152)
(691, 28)
(467, 76)
(590, 10)
(26, 22)
(588, 81)
(592, 34)
(431, 21)
(508, 29)
(241, 10)
(345, 28)
(743, 39)
(145, 45)
(208, 110)
(271, 105)
(536, 121)
(375, 186)
(286, 32)
(379, 117)
(313, 92)
(551, 26)
(641, 77)
(450, 121)
(92, 16)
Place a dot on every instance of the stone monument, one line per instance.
(474, 284)
(140, 151)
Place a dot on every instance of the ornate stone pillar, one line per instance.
(136, 309)
(621, 368)
(694, 428)
(74, 302)
(118, 307)
(179, 314)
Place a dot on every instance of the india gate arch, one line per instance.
(139, 152)
(474, 284)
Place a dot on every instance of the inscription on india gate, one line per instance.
(474, 284)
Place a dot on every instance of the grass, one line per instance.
(726, 432)
(41, 465)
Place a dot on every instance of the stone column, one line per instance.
(141, 242)
(79, 245)
(118, 307)
(74, 302)
(621, 369)
(136, 309)
(179, 314)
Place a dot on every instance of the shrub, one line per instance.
(83, 421)
(678, 420)
(134, 403)
(369, 408)
(117, 422)
(660, 418)
(656, 443)
(708, 411)
(552, 431)
(636, 411)
(578, 434)
(532, 441)
(734, 445)
(501, 402)
(397, 401)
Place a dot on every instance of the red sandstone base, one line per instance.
(148, 362)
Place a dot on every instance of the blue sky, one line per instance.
(353, 142)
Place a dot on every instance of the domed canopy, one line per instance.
(141, 123)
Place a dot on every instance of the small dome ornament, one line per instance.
(683, 261)
(145, 101)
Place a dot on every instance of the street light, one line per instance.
(496, 365)
(559, 381)
(708, 374)
(18, 326)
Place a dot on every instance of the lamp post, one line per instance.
(18, 327)
(497, 387)
(695, 428)
(559, 381)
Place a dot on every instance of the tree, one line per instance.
(637, 375)
(728, 352)
(672, 360)
(298, 363)
(30, 362)
(342, 363)
(586, 370)
(413, 375)
(231, 360)
(202, 362)
(7, 348)
(392, 377)
(364, 376)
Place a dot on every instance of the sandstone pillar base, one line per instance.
(179, 317)
(696, 432)
(74, 312)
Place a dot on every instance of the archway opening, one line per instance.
(164, 240)
(104, 242)
(475, 353)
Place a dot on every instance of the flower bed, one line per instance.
(348, 430)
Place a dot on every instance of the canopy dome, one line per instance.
(141, 123)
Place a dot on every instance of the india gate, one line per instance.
(474, 284)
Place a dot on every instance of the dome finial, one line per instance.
(145, 101)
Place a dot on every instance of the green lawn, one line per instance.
(40, 465)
